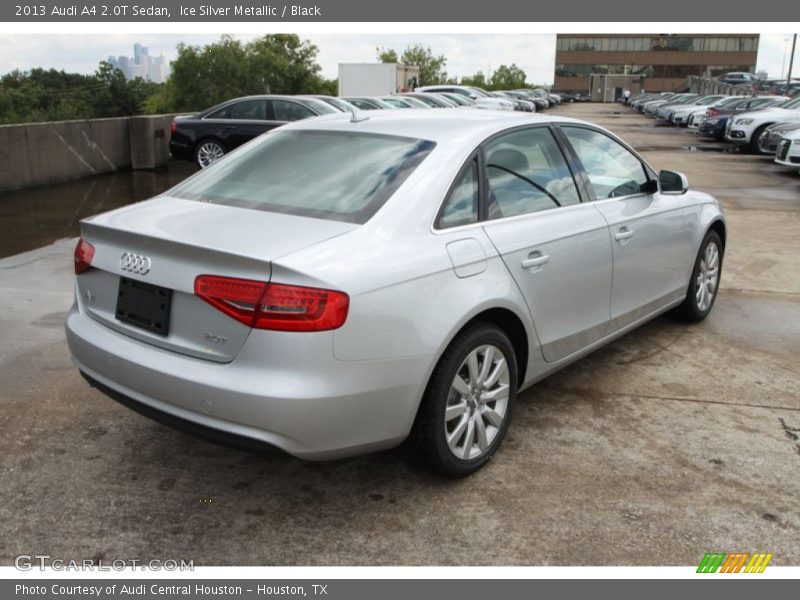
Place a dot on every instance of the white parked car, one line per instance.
(788, 153)
(482, 98)
(680, 115)
(746, 128)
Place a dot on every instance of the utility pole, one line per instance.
(791, 61)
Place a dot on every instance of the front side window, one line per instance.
(527, 173)
(461, 206)
(290, 111)
(612, 169)
(336, 175)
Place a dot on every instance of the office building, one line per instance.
(658, 62)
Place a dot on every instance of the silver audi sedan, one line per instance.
(349, 283)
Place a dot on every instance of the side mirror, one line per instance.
(671, 182)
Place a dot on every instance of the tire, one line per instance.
(207, 152)
(697, 305)
(466, 452)
(754, 139)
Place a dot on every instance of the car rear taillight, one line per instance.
(84, 253)
(174, 127)
(712, 112)
(274, 306)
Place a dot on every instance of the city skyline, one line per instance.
(141, 64)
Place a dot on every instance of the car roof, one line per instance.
(440, 125)
(220, 105)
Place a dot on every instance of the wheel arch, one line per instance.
(718, 226)
(206, 138)
(509, 323)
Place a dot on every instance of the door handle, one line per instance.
(623, 235)
(535, 259)
(230, 127)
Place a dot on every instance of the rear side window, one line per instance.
(335, 175)
(250, 109)
(461, 206)
(527, 173)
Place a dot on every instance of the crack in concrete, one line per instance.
(749, 291)
(659, 348)
(791, 433)
(589, 392)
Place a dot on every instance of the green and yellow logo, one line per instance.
(735, 562)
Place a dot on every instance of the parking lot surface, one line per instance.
(674, 441)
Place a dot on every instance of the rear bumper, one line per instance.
(299, 399)
(181, 150)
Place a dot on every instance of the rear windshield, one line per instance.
(335, 175)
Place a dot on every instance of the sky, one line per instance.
(466, 53)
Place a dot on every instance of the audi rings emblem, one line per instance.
(135, 263)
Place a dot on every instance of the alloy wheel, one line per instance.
(477, 404)
(707, 277)
(208, 153)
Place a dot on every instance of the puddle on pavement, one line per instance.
(37, 216)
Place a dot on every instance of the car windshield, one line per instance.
(731, 102)
(340, 104)
(321, 107)
(792, 104)
(396, 103)
(336, 175)
(479, 92)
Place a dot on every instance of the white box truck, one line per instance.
(376, 79)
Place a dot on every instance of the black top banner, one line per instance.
(600, 11)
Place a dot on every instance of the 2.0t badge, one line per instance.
(135, 263)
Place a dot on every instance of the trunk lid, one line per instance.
(172, 242)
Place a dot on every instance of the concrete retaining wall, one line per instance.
(41, 153)
(706, 87)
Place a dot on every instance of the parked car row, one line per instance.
(766, 124)
(207, 136)
(777, 87)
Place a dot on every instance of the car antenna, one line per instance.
(357, 115)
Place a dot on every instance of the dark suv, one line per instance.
(207, 136)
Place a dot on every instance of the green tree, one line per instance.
(507, 78)
(117, 97)
(431, 68)
(386, 55)
(206, 75)
(477, 80)
(50, 95)
(272, 64)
